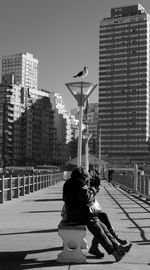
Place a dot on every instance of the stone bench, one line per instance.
(73, 236)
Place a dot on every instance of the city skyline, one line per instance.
(62, 35)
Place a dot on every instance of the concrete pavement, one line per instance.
(29, 237)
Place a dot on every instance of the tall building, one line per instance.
(27, 132)
(92, 115)
(124, 77)
(24, 67)
(63, 129)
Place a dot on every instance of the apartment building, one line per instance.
(24, 67)
(62, 126)
(93, 127)
(124, 77)
(27, 132)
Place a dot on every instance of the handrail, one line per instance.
(138, 183)
(16, 186)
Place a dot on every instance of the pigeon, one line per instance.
(82, 73)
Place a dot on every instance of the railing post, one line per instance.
(42, 181)
(51, 179)
(17, 190)
(23, 185)
(37, 185)
(33, 183)
(44, 177)
(2, 190)
(28, 192)
(10, 189)
(143, 188)
(146, 186)
(148, 189)
(135, 177)
(47, 180)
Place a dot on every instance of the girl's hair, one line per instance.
(79, 173)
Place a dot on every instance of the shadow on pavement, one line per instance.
(140, 243)
(51, 211)
(28, 232)
(133, 220)
(48, 200)
(43, 200)
(18, 261)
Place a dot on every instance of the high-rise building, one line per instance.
(24, 67)
(124, 77)
(62, 123)
(27, 131)
(92, 114)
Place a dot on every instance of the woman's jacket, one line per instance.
(79, 199)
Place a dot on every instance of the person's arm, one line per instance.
(86, 194)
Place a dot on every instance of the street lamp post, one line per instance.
(81, 91)
(87, 137)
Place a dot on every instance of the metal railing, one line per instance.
(134, 180)
(16, 186)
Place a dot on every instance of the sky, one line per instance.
(62, 34)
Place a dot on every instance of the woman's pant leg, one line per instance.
(104, 218)
(109, 235)
(97, 229)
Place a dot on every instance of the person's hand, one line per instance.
(95, 182)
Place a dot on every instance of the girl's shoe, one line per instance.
(121, 251)
(96, 252)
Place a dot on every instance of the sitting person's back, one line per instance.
(76, 195)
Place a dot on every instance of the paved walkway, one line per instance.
(29, 238)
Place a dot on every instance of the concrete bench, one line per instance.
(72, 235)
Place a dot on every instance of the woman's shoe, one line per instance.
(115, 235)
(121, 241)
(121, 251)
(117, 255)
(96, 252)
(124, 249)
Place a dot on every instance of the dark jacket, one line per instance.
(78, 197)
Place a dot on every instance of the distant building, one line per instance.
(24, 67)
(93, 117)
(62, 124)
(124, 82)
(26, 126)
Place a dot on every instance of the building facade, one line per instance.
(27, 132)
(124, 77)
(63, 129)
(24, 67)
(93, 128)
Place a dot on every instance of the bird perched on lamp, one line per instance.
(82, 74)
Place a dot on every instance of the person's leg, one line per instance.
(94, 250)
(104, 237)
(97, 229)
(103, 217)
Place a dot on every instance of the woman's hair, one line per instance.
(79, 173)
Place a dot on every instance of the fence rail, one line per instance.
(14, 187)
(133, 181)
